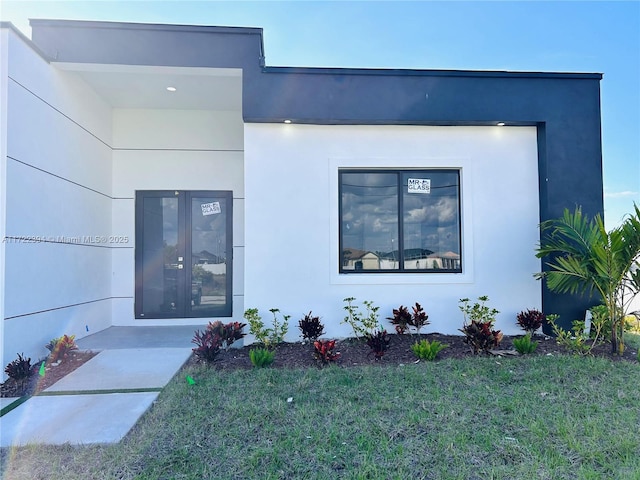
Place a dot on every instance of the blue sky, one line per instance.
(585, 36)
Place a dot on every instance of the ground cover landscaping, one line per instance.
(466, 416)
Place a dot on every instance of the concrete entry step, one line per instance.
(113, 338)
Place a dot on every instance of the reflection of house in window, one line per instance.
(210, 262)
(446, 261)
(354, 259)
(418, 259)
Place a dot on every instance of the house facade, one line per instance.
(164, 175)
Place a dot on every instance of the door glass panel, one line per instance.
(160, 256)
(209, 255)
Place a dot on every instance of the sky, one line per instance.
(562, 36)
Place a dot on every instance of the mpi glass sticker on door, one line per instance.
(210, 208)
(419, 185)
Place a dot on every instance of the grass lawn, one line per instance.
(478, 418)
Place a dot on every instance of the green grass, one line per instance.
(478, 418)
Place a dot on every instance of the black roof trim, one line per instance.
(431, 73)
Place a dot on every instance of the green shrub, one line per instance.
(268, 337)
(427, 351)
(575, 339)
(261, 357)
(362, 325)
(525, 345)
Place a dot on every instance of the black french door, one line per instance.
(183, 254)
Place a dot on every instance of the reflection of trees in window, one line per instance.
(417, 230)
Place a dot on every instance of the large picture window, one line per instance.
(399, 221)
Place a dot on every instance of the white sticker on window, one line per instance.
(419, 185)
(210, 208)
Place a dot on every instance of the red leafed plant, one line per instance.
(530, 320)
(216, 336)
(60, 347)
(229, 332)
(402, 319)
(324, 351)
(480, 336)
(378, 342)
(419, 318)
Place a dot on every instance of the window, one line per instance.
(399, 221)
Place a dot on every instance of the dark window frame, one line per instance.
(399, 172)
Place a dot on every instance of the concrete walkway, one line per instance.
(104, 398)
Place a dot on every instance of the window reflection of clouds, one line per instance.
(369, 210)
(430, 221)
(208, 231)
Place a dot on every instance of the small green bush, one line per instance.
(268, 337)
(362, 325)
(427, 351)
(576, 340)
(525, 345)
(261, 357)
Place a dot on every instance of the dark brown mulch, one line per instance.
(37, 383)
(355, 352)
(297, 355)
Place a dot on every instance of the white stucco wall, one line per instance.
(4, 79)
(173, 150)
(291, 226)
(58, 187)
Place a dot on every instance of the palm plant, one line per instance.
(583, 258)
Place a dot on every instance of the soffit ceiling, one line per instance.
(145, 87)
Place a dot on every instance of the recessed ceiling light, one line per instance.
(500, 124)
(287, 121)
(172, 89)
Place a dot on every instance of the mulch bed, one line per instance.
(354, 352)
(37, 383)
(297, 355)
